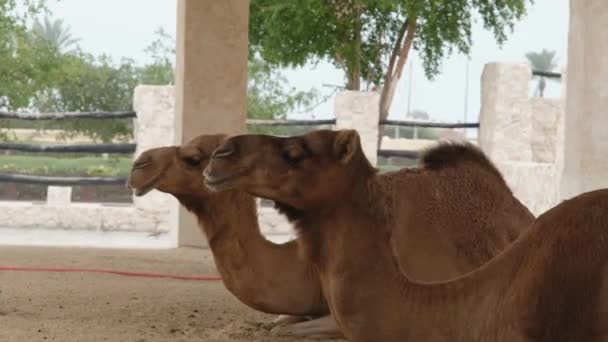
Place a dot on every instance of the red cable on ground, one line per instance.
(122, 273)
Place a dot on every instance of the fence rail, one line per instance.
(130, 148)
(399, 153)
(66, 148)
(403, 123)
(548, 74)
(70, 148)
(256, 122)
(61, 181)
(67, 115)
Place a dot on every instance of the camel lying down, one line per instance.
(436, 241)
(265, 276)
(551, 284)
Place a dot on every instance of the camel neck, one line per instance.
(228, 215)
(266, 276)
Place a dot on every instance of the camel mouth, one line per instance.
(142, 190)
(219, 183)
(141, 165)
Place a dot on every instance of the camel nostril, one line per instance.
(224, 151)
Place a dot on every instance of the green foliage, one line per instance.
(86, 83)
(270, 97)
(23, 63)
(56, 33)
(55, 75)
(542, 61)
(358, 35)
(161, 70)
(65, 166)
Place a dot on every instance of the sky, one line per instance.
(123, 28)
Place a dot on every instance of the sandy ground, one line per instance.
(90, 307)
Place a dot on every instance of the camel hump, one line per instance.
(450, 154)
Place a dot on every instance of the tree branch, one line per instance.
(390, 84)
(405, 50)
(396, 48)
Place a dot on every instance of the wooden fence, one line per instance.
(130, 148)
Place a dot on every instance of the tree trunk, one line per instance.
(354, 69)
(395, 69)
(393, 73)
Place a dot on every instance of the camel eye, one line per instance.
(293, 155)
(193, 160)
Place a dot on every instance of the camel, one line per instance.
(448, 221)
(549, 285)
(177, 170)
(265, 276)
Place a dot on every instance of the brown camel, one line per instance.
(450, 220)
(547, 286)
(265, 276)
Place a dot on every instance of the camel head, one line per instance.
(174, 169)
(300, 171)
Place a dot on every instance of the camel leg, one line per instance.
(324, 327)
(281, 320)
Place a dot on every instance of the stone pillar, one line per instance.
(60, 196)
(211, 79)
(505, 125)
(586, 124)
(360, 111)
(561, 134)
(154, 127)
(521, 134)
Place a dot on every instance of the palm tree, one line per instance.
(56, 33)
(542, 61)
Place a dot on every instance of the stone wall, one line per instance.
(522, 134)
(359, 110)
(153, 127)
(153, 213)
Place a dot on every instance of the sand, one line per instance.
(89, 307)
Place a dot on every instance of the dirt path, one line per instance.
(91, 307)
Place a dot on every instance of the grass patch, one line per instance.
(72, 166)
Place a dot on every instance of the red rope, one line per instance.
(122, 273)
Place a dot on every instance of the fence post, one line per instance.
(59, 195)
(154, 127)
(505, 125)
(360, 111)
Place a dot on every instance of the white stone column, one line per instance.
(521, 134)
(586, 128)
(505, 125)
(211, 79)
(360, 111)
(60, 196)
(154, 127)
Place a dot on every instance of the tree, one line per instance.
(56, 33)
(269, 95)
(370, 40)
(22, 62)
(86, 83)
(161, 71)
(83, 82)
(419, 115)
(542, 61)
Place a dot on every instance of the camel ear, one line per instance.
(346, 145)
